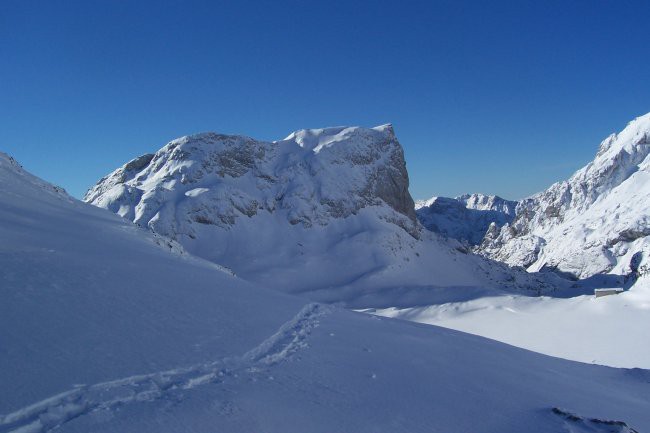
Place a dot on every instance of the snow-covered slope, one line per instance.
(87, 296)
(325, 212)
(105, 328)
(598, 221)
(610, 330)
(465, 218)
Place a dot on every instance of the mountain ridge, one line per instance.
(595, 222)
(580, 226)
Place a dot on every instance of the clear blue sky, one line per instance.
(494, 97)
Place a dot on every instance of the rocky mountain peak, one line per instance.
(485, 202)
(580, 226)
(311, 176)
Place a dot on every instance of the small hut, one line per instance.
(599, 293)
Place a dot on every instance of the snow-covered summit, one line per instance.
(594, 222)
(485, 202)
(317, 139)
(311, 177)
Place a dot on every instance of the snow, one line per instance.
(106, 327)
(81, 286)
(606, 330)
(196, 192)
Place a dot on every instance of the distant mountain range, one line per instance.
(466, 218)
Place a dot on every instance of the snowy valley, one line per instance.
(108, 327)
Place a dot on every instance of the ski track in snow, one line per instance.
(55, 411)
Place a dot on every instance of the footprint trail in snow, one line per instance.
(55, 411)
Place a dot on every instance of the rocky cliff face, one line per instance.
(595, 222)
(465, 218)
(311, 177)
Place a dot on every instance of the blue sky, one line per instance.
(493, 97)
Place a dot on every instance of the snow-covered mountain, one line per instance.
(309, 178)
(465, 218)
(105, 327)
(598, 221)
(325, 212)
